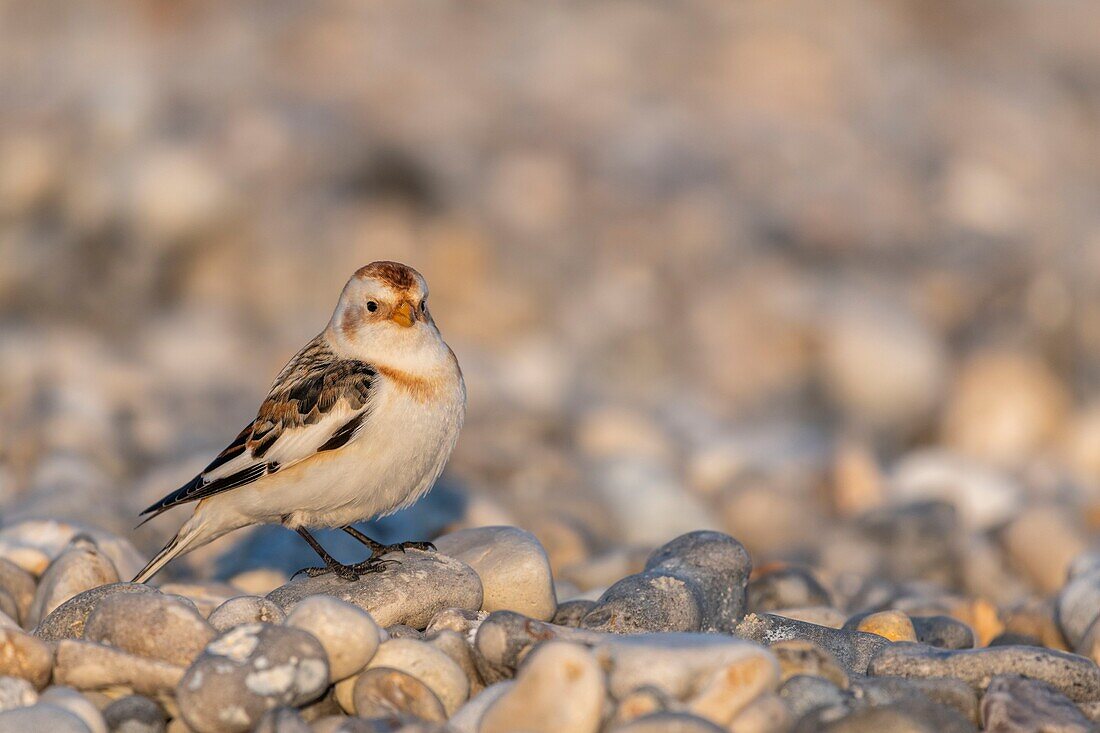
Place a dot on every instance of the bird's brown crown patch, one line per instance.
(396, 275)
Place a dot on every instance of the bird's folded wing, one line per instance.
(318, 403)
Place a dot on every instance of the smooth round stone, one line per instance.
(135, 714)
(1078, 603)
(245, 610)
(559, 689)
(455, 619)
(1017, 704)
(643, 701)
(820, 615)
(891, 625)
(26, 657)
(876, 720)
(348, 633)
(16, 693)
(79, 568)
(799, 657)
(25, 540)
(456, 646)
(570, 613)
(766, 714)
(247, 671)
(942, 691)
(410, 593)
(383, 692)
(67, 620)
(20, 585)
(429, 665)
(42, 718)
(87, 665)
(401, 631)
(151, 625)
(1043, 541)
(727, 691)
(513, 567)
(1076, 677)
(852, 649)
(804, 693)
(648, 601)
(944, 632)
(787, 587)
(668, 722)
(77, 704)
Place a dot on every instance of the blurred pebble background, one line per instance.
(825, 276)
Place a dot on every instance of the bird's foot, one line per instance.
(402, 546)
(373, 564)
(344, 572)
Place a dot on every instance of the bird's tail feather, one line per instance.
(192, 535)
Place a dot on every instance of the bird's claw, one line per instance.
(402, 546)
(344, 572)
(373, 565)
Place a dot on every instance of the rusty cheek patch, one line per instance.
(351, 320)
(420, 388)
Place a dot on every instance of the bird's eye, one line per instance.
(372, 306)
(424, 306)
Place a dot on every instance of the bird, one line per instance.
(358, 424)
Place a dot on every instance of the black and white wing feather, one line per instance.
(317, 403)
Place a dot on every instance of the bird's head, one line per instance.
(383, 313)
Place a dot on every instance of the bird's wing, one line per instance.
(318, 403)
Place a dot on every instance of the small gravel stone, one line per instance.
(135, 714)
(385, 692)
(67, 620)
(668, 722)
(245, 610)
(77, 704)
(410, 593)
(87, 665)
(513, 567)
(853, 649)
(25, 656)
(348, 633)
(944, 632)
(43, 717)
(151, 625)
(559, 689)
(1076, 677)
(427, 664)
(79, 568)
(16, 692)
(786, 587)
(1017, 705)
(247, 671)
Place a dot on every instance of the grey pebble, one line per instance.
(386, 692)
(944, 632)
(667, 722)
(1075, 676)
(247, 671)
(1014, 704)
(853, 649)
(77, 704)
(245, 610)
(789, 587)
(87, 665)
(945, 691)
(42, 718)
(135, 714)
(282, 720)
(16, 692)
(67, 620)
(805, 694)
(570, 613)
(410, 593)
(151, 625)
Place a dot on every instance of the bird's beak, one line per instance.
(404, 314)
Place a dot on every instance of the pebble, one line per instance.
(151, 625)
(1078, 604)
(852, 649)
(766, 714)
(799, 657)
(725, 692)
(16, 692)
(385, 692)
(456, 646)
(819, 615)
(135, 714)
(1076, 677)
(696, 582)
(348, 634)
(570, 613)
(245, 610)
(429, 665)
(42, 717)
(944, 691)
(786, 587)
(891, 625)
(282, 720)
(513, 567)
(79, 568)
(206, 596)
(1043, 541)
(468, 717)
(67, 620)
(26, 657)
(944, 632)
(19, 585)
(639, 702)
(410, 593)
(668, 722)
(806, 693)
(77, 704)
(559, 689)
(247, 671)
(1016, 704)
(87, 665)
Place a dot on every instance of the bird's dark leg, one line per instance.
(377, 549)
(332, 565)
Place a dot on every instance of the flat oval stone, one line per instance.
(245, 610)
(944, 632)
(429, 665)
(135, 713)
(43, 717)
(1074, 676)
(77, 704)
(853, 649)
(247, 671)
(16, 693)
(20, 585)
(79, 568)
(1016, 705)
(151, 625)
(87, 665)
(67, 620)
(26, 657)
(382, 692)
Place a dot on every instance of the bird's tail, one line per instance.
(194, 534)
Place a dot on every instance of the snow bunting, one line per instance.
(357, 425)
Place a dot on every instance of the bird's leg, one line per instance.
(332, 565)
(377, 549)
